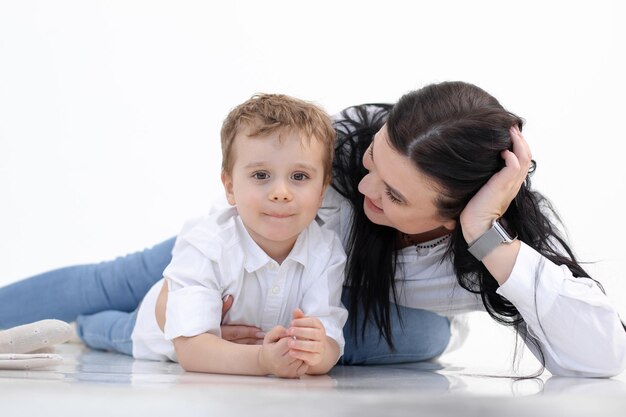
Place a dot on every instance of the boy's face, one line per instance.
(277, 186)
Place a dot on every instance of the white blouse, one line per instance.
(217, 257)
(572, 319)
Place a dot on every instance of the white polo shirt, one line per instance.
(216, 257)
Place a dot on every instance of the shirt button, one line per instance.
(273, 266)
(275, 289)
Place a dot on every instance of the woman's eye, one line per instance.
(392, 197)
(260, 176)
(299, 176)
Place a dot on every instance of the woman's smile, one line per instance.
(369, 204)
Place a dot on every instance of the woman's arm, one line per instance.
(572, 319)
(579, 331)
(492, 201)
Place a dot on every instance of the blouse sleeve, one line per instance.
(572, 319)
(194, 304)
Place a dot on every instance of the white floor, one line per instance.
(93, 383)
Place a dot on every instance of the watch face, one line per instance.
(503, 229)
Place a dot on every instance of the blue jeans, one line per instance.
(66, 293)
(420, 336)
(108, 330)
(103, 297)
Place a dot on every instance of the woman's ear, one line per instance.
(227, 181)
(449, 225)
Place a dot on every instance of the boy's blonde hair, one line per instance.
(264, 114)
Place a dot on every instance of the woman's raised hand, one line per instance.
(493, 199)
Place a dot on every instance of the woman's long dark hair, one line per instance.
(454, 133)
(371, 264)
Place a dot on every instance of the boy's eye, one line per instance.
(299, 176)
(260, 175)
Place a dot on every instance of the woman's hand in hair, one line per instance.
(244, 335)
(492, 201)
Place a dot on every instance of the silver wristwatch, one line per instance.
(490, 240)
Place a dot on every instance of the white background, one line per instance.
(110, 111)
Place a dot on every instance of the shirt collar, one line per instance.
(256, 258)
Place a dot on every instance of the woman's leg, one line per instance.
(423, 335)
(66, 293)
(108, 330)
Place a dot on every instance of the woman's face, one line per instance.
(396, 193)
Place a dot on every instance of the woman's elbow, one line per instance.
(615, 355)
(605, 363)
(616, 363)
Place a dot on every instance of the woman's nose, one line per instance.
(369, 186)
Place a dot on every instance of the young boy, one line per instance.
(284, 272)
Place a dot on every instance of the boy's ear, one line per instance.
(324, 188)
(227, 181)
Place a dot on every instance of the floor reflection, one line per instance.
(428, 389)
(82, 365)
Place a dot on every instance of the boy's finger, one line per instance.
(302, 369)
(305, 345)
(276, 334)
(312, 322)
(306, 333)
(306, 357)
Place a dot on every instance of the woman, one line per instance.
(414, 184)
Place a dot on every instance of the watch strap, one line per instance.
(490, 240)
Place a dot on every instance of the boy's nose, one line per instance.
(280, 192)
